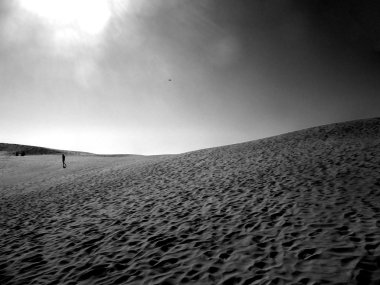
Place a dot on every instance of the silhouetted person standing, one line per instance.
(63, 160)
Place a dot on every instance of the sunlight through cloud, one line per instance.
(87, 16)
(74, 30)
(71, 25)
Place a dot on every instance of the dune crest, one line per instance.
(12, 149)
(299, 208)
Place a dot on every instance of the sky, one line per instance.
(171, 76)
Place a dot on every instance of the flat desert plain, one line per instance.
(299, 208)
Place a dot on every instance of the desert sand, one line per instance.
(299, 208)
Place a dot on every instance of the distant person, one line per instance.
(63, 160)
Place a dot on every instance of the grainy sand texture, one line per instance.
(299, 208)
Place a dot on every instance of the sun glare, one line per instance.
(75, 16)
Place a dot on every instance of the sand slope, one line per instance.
(300, 208)
(11, 149)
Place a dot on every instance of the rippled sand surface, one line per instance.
(300, 208)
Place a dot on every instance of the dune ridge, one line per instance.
(11, 149)
(299, 208)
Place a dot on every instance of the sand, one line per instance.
(300, 208)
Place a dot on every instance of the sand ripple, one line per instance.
(301, 208)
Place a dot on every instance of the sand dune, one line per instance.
(11, 149)
(300, 208)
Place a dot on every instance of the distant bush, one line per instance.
(23, 153)
(16, 153)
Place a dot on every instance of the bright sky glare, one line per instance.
(81, 16)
